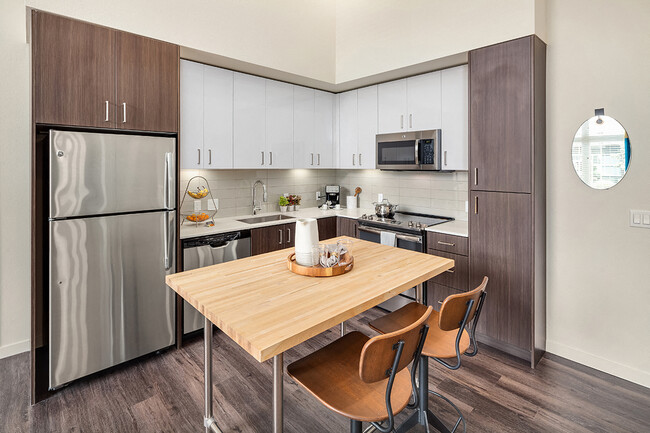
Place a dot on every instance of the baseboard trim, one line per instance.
(14, 349)
(608, 366)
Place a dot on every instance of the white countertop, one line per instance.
(230, 224)
(456, 228)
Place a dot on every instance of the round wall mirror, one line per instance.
(601, 152)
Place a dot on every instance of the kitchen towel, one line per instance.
(388, 238)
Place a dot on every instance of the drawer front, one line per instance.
(448, 243)
(458, 276)
(437, 293)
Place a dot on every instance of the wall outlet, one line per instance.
(640, 218)
(212, 204)
(466, 206)
(317, 195)
(197, 205)
(380, 197)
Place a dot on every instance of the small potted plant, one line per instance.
(297, 202)
(284, 203)
(292, 202)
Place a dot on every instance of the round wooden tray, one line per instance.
(318, 270)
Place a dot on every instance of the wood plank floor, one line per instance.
(164, 393)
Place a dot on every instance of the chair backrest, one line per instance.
(454, 308)
(378, 354)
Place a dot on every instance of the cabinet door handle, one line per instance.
(198, 161)
(280, 231)
(359, 159)
(401, 121)
(124, 111)
(353, 163)
(445, 155)
(410, 120)
(318, 159)
(476, 204)
(106, 119)
(262, 158)
(209, 156)
(270, 158)
(451, 271)
(449, 244)
(288, 236)
(475, 175)
(312, 159)
(440, 302)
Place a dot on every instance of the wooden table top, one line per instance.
(267, 309)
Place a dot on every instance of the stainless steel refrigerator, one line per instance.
(112, 237)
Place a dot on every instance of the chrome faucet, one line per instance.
(258, 207)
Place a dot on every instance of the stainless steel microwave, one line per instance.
(416, 150)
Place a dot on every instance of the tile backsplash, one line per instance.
(425, 192)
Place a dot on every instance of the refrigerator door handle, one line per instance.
(166, 239)
(168, 187)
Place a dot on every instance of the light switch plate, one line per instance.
(640, 218)
(197, 205)
(212, 204)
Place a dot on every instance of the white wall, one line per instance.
(373, 36)
(14, 181)
(295, 36)
(598, 267)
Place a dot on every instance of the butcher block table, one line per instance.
(267, 309)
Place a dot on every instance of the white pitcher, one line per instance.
(306, 239)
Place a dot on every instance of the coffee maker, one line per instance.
(333, 195)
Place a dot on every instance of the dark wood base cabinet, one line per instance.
(326, 228)
(507, 193)
(272, 238)
(347, 227)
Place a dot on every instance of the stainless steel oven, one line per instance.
(402, 240)
(417, 150)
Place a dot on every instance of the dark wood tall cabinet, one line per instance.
(507, 193)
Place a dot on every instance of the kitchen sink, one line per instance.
(266, 218)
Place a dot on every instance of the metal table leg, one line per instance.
(342, 329)
(208, 421)
(278, 414)
(419, 293)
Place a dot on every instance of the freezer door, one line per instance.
(108, 299)
(95, 174)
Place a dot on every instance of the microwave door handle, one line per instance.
(417, 152)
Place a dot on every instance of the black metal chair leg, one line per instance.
(355, 426)
(460, 419)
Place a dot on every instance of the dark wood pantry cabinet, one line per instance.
(507, 239)
(86, 75)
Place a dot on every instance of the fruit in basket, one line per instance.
(197, 218)
(199, 193)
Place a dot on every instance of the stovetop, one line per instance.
(404, 221)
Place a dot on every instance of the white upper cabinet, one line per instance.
(367, 127)
(206, 116)
(411, 104)
(348, 129)
(423, 101)
(303, 127)
(218, 115)
(455, 114)
(249, 122)
(358, 128)
(191, 115)
(323, 129)
(279, 124)
(392, 107)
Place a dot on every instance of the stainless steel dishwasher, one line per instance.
(207, 251)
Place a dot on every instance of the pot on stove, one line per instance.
(385, 209)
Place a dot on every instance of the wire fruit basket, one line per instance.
(198, 188)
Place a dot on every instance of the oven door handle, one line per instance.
(408, 238)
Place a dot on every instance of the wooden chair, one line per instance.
(365, 379)
(452, 331)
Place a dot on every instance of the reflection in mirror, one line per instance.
(601, 152)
